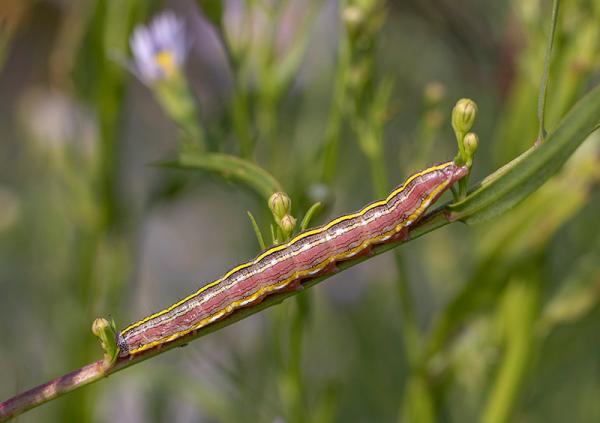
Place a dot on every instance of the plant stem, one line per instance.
(241, 119)
(240, 110)
(544, 83)
(520, 314)
(297, 331)
(417, 394)
(336, 115)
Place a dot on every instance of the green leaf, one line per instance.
(274, 239)
(510, 184)
(232, 168)
(106, 331)
(259, 236)
(315, 208)
(544, 84)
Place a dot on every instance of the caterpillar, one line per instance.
(284, 267)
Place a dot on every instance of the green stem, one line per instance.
(297, 329)
(268, 128)
(541, 113)
(418, 403)
(520, 311)
(410, 331)
(240, 103)
(293, 380)
(241, 120)
(417, 396)
(378, 169)
(336, 115)
(176, 98)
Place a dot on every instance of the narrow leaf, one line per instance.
(314, 209)
(230, 167)
(257, 232)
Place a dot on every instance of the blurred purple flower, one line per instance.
(160, 48)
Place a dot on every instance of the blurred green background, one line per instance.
(339, 101)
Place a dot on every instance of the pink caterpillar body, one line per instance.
(311, 253)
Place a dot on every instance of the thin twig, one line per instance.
(50, 390)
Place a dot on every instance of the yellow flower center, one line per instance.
(166, 61)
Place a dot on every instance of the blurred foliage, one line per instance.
(331, 102)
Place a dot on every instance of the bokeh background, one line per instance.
(339, 101)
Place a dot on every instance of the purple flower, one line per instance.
(160, 48)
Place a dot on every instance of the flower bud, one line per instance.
(463, 115)
(105, 330)
(280, 205)
(100, 326)
(471, 142)
(287, 224)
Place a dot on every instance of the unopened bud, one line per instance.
(463, 115)
(471, 142)
(287, 224)
(100, 326)
(280, 205)
(105, 331)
